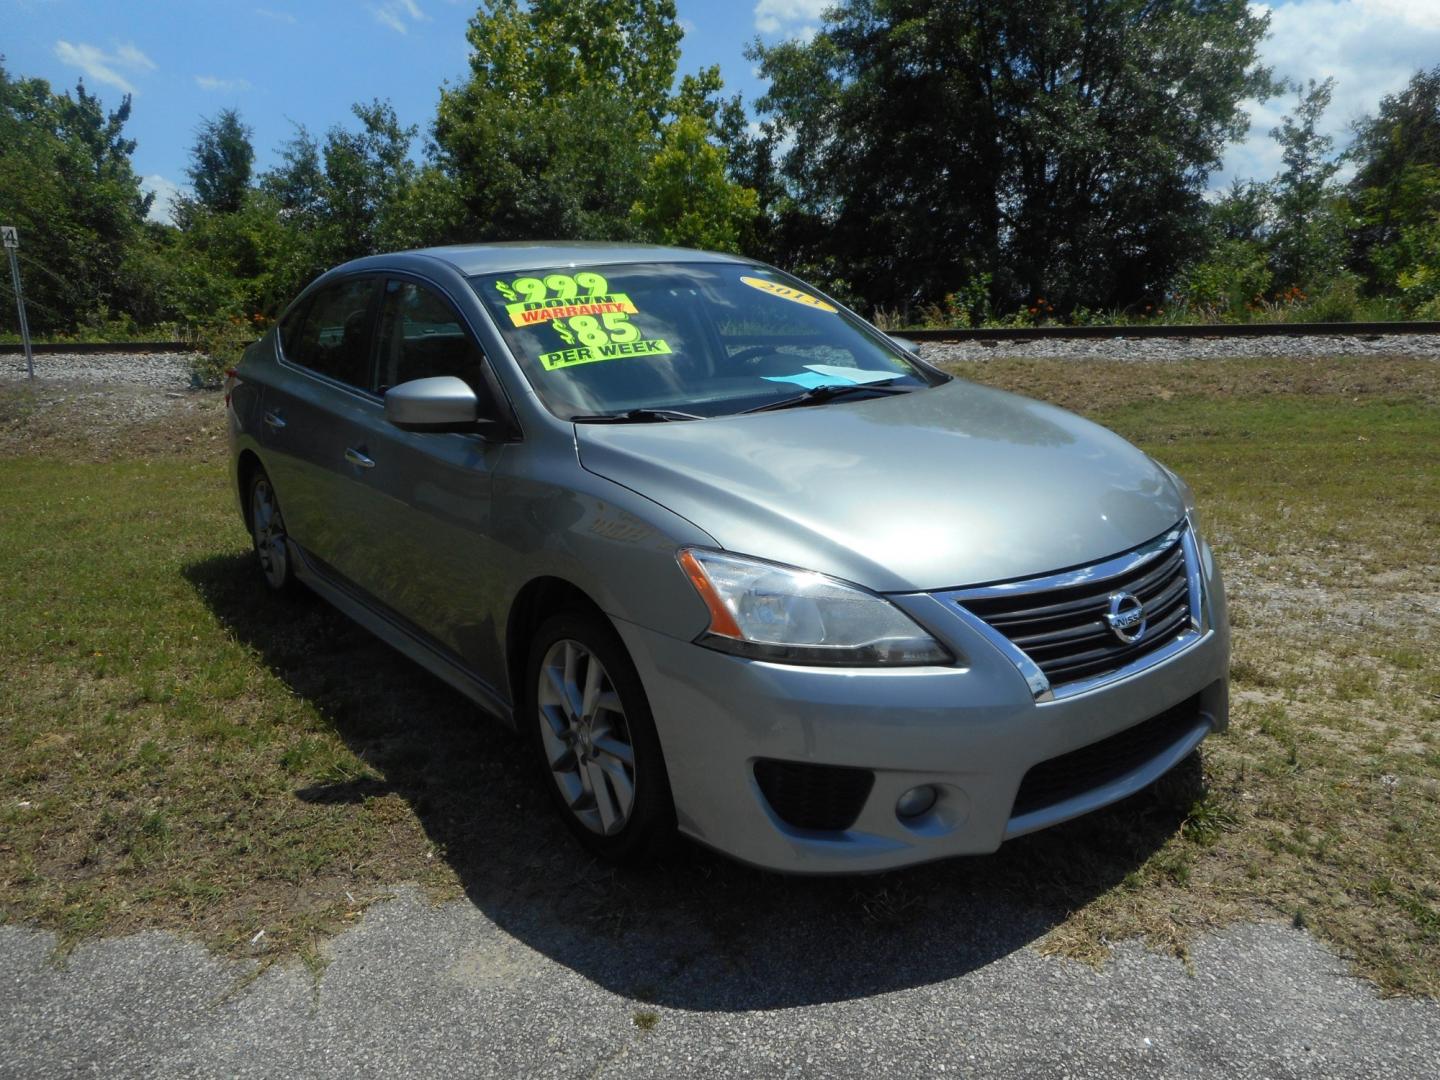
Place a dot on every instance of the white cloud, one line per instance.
(790, 18)
(278, 16)
(210, 82)
(105, 67)
(393, 13)
(1370, 47)
(390, 19)
(132, 57)
(162, 209)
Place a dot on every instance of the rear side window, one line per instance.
(332, 334)
(421, 336)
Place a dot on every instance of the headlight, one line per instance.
(771, 612)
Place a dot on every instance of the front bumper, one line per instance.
(971, 731)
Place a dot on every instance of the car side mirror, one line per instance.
(439, 403)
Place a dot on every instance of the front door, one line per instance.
(423, 545)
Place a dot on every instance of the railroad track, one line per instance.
(1151, 330)
(994, 333)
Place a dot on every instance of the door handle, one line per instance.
(274, 421)
(356, 458)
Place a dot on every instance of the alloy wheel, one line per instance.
(586, 739)
(269, 528)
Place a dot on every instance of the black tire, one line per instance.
(649, 826)
(267, 533)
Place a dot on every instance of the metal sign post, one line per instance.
(11, 239)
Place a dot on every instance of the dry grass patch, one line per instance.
(77, 422)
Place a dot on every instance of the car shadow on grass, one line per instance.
(697, 931)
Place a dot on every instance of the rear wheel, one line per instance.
(592, 732)
(267, 531)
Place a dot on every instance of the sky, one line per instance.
(288, 62)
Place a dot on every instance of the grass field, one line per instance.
(179, 750)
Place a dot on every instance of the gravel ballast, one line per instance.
(164, 371)
(1153, 349)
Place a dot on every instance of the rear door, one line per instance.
(323, 394)
(422, 544)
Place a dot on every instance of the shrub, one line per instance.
(1221, 286)
(1420, 290)
(969, 305)
(1337, 301)
(218, 346)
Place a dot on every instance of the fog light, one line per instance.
(916, 801)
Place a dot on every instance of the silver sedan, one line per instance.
(738, 564)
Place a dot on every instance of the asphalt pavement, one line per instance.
(422, 990)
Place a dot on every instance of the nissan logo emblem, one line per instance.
(1126, 617)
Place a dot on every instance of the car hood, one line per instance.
(959, 484)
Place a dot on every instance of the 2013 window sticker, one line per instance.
(785, 292)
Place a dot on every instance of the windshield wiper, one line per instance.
(819, 394)
(635, 416)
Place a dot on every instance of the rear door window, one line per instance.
(421, 336)
(333, 336)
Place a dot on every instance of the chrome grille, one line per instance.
(1059, 621)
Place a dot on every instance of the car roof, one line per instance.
(526, 255)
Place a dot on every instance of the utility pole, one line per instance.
(11, 238)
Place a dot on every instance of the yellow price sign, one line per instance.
(530, 312)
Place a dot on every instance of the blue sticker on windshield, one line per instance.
(853, 375)
(832, 375)
(808, 380)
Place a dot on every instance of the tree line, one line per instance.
(927, 160)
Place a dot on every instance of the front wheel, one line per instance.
(593, 734)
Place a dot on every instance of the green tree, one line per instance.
(1396, 191)
(367, 173)
(298, 182)
(67, 183)
(1405, 132)
(429, 211)
(564, 105)
(700, 95)
(1063, 147)
(1308, 238)
(232, 267)
(220, 163)
(1233, 272)
(346, 197)
(233, 243)
(685, 196)
(1243, 213)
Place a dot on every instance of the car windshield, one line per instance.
(704, 339)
